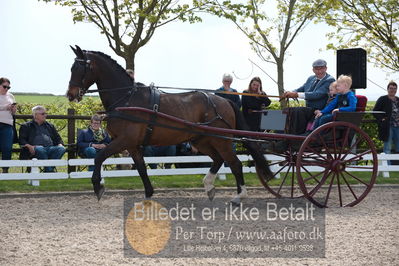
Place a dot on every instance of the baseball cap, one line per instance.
(319, 63)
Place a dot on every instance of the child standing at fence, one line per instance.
(345, 101)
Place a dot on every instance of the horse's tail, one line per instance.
(262, 167)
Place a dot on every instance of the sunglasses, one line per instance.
(6, 87)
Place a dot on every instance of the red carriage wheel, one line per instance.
(337, 165)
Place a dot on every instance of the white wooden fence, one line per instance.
(35, 175)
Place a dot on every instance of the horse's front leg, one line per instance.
(113, 148)
(137, 156)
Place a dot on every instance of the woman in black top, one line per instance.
(388, 122)
(251, 105)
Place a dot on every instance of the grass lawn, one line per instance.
(40, 99)
(44, 99)
(180, 181)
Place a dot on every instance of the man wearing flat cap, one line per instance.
(315, 89)
(315, 92)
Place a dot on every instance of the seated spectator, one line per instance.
(251, 104)
(227, 80)
(345, 101)
(152, 151)
(186, 149)
(7, 110)
(92, 139)
(315, 93)
(40, 139)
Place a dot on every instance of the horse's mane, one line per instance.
(112, 61)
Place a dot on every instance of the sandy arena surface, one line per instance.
(75, 229)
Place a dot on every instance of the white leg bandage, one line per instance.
(208, 180)
(243, 193)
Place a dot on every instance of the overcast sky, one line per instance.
(36, 57)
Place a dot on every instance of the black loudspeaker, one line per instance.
(353, 62)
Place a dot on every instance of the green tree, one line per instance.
(271, 26)
(370, 24)
(128, 24)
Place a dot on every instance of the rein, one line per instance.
(185, 89)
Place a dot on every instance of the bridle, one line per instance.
(86, 68)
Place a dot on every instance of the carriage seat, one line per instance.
(354, 117)
(361, 103)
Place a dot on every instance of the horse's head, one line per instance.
(82, 76)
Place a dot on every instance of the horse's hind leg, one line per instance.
(137, 155)
(112, 148)
(210, 177)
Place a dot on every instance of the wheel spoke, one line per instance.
(345, 138)
(351, 148)
(312, 176)
(335, 142)
(358, 156)
(339, 191)
(317, 156)
(329, 190)
(292, 181)
(281, 169)
(285, 177)
(328, 153)
(317, 153)
(312, 163)
(326, 173)
(349, 186)
(312, 159)
(358, 179)
(278, 163)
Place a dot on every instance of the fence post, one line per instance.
(71, 138)
(34, 170)
(384, 162)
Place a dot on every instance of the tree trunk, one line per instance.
(280, 81)
(129, 60)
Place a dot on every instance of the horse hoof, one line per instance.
(100, 192)
(149, 194)
(211, 194)
(235, 202)
(147, 197)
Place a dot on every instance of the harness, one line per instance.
(154, 105)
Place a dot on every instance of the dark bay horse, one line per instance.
(117, 89)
